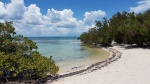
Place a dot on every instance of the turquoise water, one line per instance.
(68, 52)
(63, 49)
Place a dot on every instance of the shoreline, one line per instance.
(81, 70)
(98, 55)
(114, 56)
(132, 68)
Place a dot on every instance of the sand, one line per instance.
(98, 54)
(132, 68)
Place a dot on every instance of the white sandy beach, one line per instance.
(132, 68)
(75, 65)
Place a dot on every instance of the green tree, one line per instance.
(117, 24)
(84, 37)
(128, 28)
(93, 36)
(100, 34)
(145, 21)
(105, 36)
(18, 55)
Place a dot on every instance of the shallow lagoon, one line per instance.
(68, 52)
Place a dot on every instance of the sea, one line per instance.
(67, 51)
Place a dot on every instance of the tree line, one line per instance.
(125, 27)
(19, 57)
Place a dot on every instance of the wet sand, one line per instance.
(132, 68)
(75, 65)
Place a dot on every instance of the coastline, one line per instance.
(132, 68)
(76, 65)
(114, 55)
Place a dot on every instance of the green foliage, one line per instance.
(18, 55)
(131, 28)
(105, 32)
(128, 28)
(101, 34)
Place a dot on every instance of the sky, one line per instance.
(33, 18)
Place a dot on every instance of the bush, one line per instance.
(19, 58)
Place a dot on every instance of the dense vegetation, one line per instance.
(128, 28)
(19, 58)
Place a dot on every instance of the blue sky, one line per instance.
(63, 17)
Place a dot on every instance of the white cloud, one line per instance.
(62, 18)
(33, 15)
(53, 16)
(3, 12)
(90, 17)
(13, 10)
(142, 6)
(29, 21)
